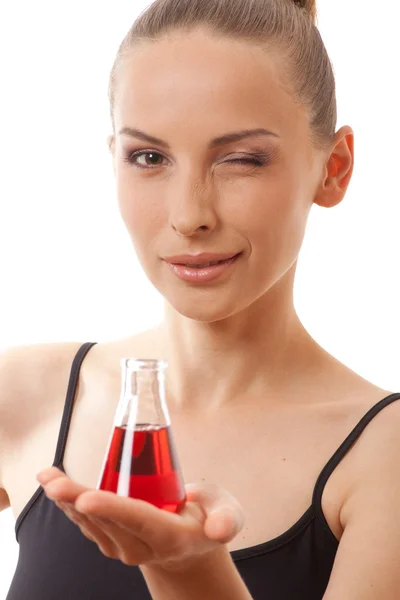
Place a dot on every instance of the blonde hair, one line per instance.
(288, 26)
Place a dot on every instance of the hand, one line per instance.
(138, 533)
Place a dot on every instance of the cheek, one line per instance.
(143, 217)
(273, 220)
(263, 210)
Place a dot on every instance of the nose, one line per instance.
(192, 209)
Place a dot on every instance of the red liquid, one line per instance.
(154, 471)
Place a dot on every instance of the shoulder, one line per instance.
(379, 437)
(22, 368)
(372, 466)
(28, 376)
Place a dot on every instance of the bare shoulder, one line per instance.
(379, 440)
(25, 371)
(374, 455)
(28, 375)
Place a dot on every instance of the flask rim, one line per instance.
(143, 364)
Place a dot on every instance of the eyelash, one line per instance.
(258, 160)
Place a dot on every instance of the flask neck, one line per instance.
(143, 394)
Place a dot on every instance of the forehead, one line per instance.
(197, 78)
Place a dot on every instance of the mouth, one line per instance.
(200, 259)
(196, 270)
(207, 264)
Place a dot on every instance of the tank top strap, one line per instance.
(69, 403)
(345, 447)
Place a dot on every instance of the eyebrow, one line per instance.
(219, 141)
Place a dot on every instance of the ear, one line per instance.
(111, 147)
(338, 169)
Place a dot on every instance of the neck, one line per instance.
(260, 353)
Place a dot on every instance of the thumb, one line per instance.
(223, 512)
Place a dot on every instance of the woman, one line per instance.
(224, 120)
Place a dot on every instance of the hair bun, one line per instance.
(310, 6)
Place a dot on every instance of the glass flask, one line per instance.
(141, 460)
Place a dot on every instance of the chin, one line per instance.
(207, 308)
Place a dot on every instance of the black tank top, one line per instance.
(56, 561)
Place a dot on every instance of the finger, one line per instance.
(162, 531)
(63, 488)
(129, 548)
(136, 515)
(136, 527)
(223, 525)
(47, 475)
(224, 514)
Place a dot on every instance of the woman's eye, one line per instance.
(258, 161)
(153, 159)
(153, 156)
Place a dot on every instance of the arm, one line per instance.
(367, 562)
(213, 577)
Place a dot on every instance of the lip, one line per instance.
(198, 259)
(205, 274)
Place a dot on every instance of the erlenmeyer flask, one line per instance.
(141, 460)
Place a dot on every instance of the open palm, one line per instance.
(136, 532)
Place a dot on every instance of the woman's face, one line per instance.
(186, 195)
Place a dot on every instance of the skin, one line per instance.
(240, 334)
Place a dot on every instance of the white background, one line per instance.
(68, 271)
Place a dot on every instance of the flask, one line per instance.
(141, 459)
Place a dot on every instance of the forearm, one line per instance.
(213, 577)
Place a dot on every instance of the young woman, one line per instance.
(224, 136)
